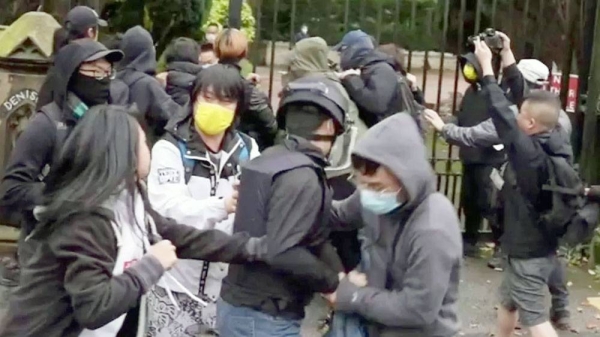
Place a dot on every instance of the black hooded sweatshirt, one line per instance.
(137, 70)
(375, 91)
(256, 115)
(182, 69)
(22, 185)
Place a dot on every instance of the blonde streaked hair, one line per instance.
(231, 43)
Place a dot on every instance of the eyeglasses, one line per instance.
(99, 74)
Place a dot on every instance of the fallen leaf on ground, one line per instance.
(591, 272)
(579, 309)
(591, 326)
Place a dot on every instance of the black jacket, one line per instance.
(526, 172)
(68, 284)
(180, 80)
(22, 184)
(256, 117)
(474, 110)
(300, 260)
(137, 72)
(375, 91)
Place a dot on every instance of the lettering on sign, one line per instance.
(16, 100)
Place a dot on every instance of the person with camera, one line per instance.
(531, 254)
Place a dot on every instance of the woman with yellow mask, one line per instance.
(192, 180)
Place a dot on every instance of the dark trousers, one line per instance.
(475, 200)
(346, 243)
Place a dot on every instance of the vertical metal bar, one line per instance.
(461, 33)
(293, 25)
(379, 21)
(494, 9)
(524, 26)
(442, 52)
(396, 21)
(273, 38)
(256, 58)
(235, 13)
(361, 14)
(413, 18)
(346, 15)
(478, 17)
(511, 14)
(541, 23)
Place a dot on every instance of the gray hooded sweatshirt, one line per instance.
(412, 256)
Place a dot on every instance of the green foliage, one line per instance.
(219, 13)
(172, 19)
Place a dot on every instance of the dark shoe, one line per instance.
(470, 250)
(562, 323)
(9, 272)
(498, 260)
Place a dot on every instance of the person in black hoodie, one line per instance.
(283, 194)
(256, 115)
(369, 77)
(82, 23)
(137, 71)
(530, 138)
(85, 69)
(182, 69)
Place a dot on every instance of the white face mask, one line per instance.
(210, 37)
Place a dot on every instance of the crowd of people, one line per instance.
(183, 204)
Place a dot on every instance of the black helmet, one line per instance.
(318, 90)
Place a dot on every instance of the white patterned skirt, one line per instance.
(191, 320)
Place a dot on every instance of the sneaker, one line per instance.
(562, 323)
(470, 250)
(9, 272)
(498, 260)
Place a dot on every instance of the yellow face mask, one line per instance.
(469, 72)
(212, 119)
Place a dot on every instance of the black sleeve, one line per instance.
(373, 91)
(21, 187)
(525, 154)
(262, 116)
(514, 80)
(292, 210)
(209, 245)
(419, 97)
(86, 247)
(162, 106)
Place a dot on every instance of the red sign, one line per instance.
(573, 93)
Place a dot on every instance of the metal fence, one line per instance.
(548, 30)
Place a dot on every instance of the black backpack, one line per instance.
(571, 218)
(407, 102)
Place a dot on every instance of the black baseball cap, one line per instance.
(81, 18)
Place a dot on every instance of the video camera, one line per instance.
(490, 37)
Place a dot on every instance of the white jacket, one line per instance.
(191, 203)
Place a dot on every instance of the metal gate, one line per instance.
(432, 33)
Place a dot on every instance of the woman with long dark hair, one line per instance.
(192, 178)
(99, 247)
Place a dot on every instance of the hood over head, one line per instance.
(70, 57)
(358, 57)
(138, 47)
(355, 39)
(397, 144)
(309, 56)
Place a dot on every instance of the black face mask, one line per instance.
(90, 91)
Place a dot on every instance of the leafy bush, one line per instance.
(219, 14)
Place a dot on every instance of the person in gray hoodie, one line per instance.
(412, 247)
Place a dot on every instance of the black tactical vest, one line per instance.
(258, 175)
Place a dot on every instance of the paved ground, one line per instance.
(478, 299)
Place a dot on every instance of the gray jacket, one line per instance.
(484, 134)
(413, 254)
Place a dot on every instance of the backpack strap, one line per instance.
(188, 164)
(53, 113)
